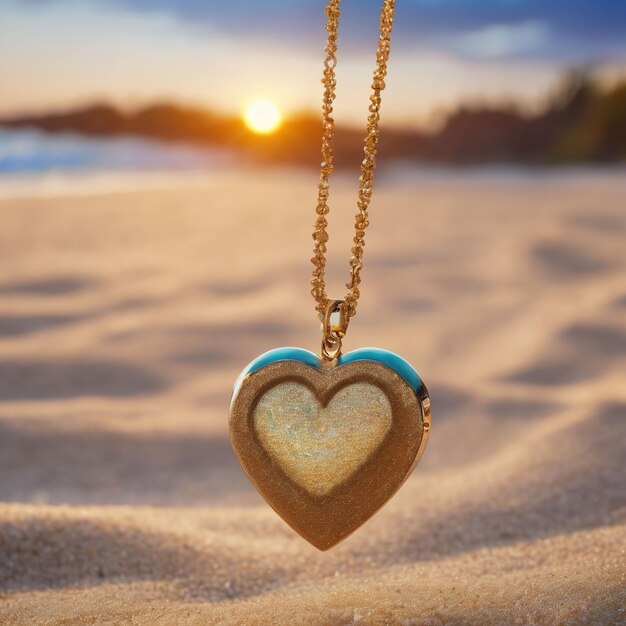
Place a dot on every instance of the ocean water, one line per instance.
(24, 152)
(34, 163)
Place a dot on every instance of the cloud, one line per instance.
(561, 30)
(502, 40)
(557, 30)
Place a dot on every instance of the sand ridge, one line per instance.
(126, 317)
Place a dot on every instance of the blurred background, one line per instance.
(158, 178)
(167, 85)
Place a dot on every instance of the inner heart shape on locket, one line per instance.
(320, 447)
(327, 446)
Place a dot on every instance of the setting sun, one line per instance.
(262, 116)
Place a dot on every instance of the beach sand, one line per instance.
(126, 315)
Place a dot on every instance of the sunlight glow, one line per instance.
(262, 116)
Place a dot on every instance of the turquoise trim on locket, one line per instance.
(378, 355)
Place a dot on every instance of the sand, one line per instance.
(126, 314)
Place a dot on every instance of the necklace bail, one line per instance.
(334, 326)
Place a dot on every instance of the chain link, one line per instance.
(368, 165)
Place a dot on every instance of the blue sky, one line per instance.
(55, 53)
(563, 29)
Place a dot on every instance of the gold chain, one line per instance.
(368, 165)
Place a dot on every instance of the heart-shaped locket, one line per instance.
(327, 444)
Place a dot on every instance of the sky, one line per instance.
(55, 54)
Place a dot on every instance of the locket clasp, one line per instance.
(334, 326)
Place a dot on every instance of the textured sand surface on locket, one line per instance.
(319, 447)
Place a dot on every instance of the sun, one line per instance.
(262, 116)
